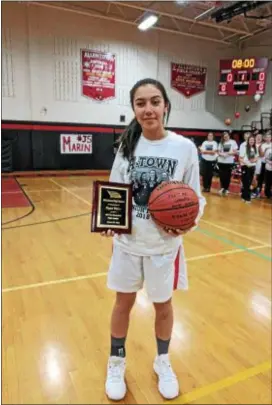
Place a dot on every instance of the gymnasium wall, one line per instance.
(260, 47)
(41, 85)
(41, 68)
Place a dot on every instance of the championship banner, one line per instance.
(97, 74)
(188, 79)
(77, 144)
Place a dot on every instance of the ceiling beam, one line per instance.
(120, 10)
(204, 13)
(176, 23)
(256, 34)
(140, 16)
(230, 36)
(108, 8)
(86, 12)
(221, 33)
(178, 17)
(242, 21)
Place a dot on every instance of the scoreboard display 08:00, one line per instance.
(242, 77)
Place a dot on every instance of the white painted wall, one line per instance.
(265, 104)
(41, 68)
(16, 97)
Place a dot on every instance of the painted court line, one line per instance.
(227, 252)
(233, 232)
(31, 191)
(96, 275)
(54, 189)
(234, 244)
(221, 384)
(71, 192)
(204, 221)
(263, 227)
(11, 192)
(53, 282)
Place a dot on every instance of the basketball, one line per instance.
(174, 205)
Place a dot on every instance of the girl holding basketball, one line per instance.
(148, 254)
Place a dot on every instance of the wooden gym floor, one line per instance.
(56, 307)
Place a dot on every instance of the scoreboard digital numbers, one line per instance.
(242, 77)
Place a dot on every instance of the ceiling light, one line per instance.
(148, 22)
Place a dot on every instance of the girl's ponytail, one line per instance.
(129, 139)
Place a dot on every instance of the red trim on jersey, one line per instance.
(176, 265)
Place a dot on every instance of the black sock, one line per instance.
(162, 346)
(118, 347)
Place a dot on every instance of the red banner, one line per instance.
(98, 74)
(188, 79)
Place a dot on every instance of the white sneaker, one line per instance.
(221, 192)
(168, 383)
(115, 384)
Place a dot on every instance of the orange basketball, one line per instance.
(174, 205)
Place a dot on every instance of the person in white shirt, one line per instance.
(258, 141)
(242, 148)
(248, 157)
(268, 172)
(148, 153)
(258, 167)
(266, 144)
(208, 151)
(243, 144)
(227, 150)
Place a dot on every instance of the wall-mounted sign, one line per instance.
(76, 144)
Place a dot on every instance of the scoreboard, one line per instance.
(242, 77)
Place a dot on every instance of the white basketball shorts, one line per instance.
(129, 273)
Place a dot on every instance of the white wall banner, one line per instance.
(76, 144)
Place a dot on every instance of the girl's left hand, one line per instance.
(177, 232)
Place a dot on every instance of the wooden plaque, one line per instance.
(112, 207)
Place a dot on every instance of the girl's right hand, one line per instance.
(108, 233)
